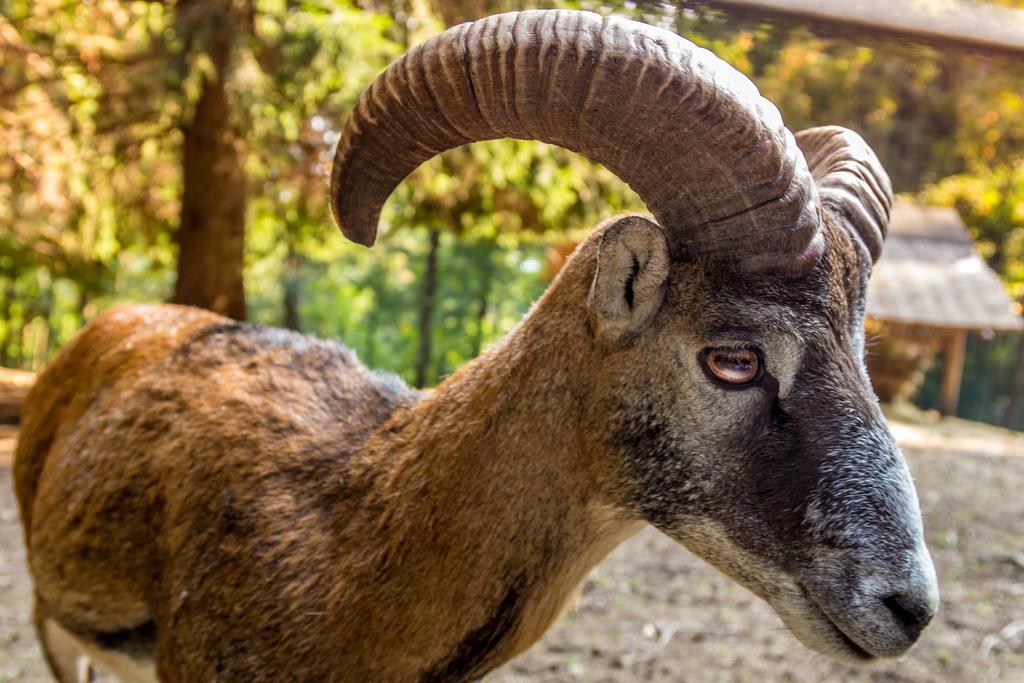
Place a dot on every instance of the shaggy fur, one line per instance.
(246, 504)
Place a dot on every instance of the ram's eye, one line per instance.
(733, 366)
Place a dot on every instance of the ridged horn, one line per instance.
(692, 136)
(851, 182)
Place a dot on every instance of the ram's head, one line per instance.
(730, 405)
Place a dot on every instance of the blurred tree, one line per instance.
(503, 192)
(133, 122)
(79, 189)
(112, 115)
(211, 232)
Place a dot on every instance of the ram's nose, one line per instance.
(911, 610)
(880, 605)
(911, 604)
(896, 610)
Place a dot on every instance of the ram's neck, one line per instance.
(494, 511)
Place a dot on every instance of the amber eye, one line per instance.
(734, 366)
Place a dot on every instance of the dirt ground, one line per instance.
(653, 612)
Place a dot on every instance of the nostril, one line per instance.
(912, 613)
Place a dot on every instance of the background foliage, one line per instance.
(96, 99)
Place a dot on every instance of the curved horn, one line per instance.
(851, 182)
(692, 136)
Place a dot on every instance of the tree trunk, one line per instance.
(290, 314)
(454, 12)
(211, 238)
(40, 340)
(427, 310)
(377, 282)
(481, 316)
(290, 283)
(46, 330)
(1011, 419)
(5, 315)
(483, 303)
(83, 306)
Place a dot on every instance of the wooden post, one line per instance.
(1012, 416)
(14, 386)
(952, 372)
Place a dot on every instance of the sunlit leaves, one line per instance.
(991, 200)
(93, 96)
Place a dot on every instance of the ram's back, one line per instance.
(156, 427)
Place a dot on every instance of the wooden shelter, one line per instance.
(14, 386)
(982, 27)
(927, 292)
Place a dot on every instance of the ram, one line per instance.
(206, 500)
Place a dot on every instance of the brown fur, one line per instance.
(276, 511)
(258, 504)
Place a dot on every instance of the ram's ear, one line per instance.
(632, 269)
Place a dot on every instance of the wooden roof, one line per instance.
(930, 274)
(976, 26)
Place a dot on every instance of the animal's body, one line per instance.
(275, 458)
(212, 501)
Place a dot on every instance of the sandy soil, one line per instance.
(653, 612)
